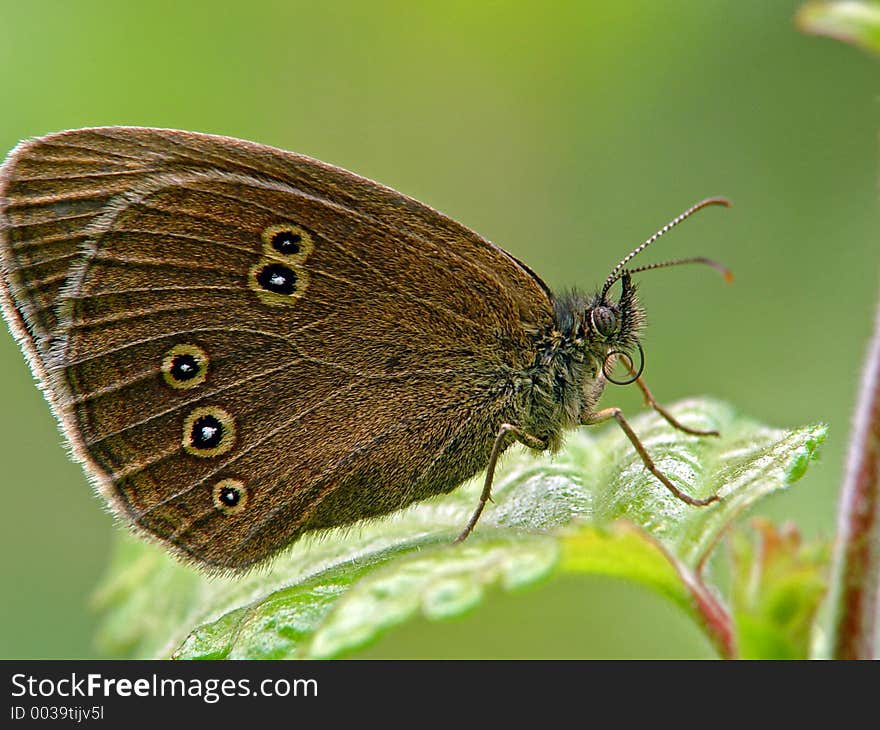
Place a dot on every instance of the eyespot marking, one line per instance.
(278, 283)
(277, 278)
(208, 431)
(185, 366)
(288, 241)
(230, 496)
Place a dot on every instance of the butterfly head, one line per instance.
(601, 323)
(616, 323)
(607, 328)
(602, 326)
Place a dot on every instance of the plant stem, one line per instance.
(714, 617)
(857, 557)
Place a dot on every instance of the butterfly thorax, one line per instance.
(562, 386)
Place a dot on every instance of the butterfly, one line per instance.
(243, 345)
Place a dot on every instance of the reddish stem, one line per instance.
(714, 617)
(716, 620)
(857, 558)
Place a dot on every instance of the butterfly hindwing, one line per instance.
(244, 344)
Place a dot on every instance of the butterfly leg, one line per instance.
(607, 414)
(670, 419)
(525, 438)
(651, 403)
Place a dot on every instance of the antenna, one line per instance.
(617, 272)
(718, 266)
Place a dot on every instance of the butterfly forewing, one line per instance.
(244, 344)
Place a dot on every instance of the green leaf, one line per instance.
(779, 583)
(851, 21)
(591, 509)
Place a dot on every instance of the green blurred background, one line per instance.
(566, 132)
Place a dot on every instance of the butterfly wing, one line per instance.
(244, 344)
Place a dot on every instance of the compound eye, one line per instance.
(604, 321)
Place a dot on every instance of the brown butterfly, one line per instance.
(244, 344)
